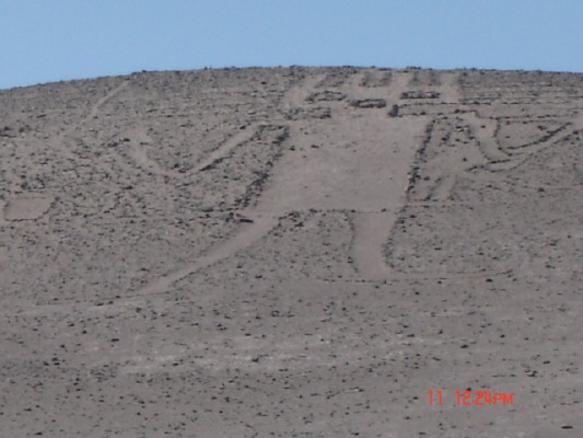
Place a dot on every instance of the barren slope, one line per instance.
(292, 252)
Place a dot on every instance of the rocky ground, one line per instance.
(292, 252)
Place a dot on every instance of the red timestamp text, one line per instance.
(471, 398)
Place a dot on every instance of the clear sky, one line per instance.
(50, 40)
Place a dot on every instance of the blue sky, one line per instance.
(50, 40)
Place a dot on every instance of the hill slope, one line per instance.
(292, 252)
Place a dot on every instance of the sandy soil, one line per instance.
(294, 252)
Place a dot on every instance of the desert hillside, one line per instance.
(292, 252)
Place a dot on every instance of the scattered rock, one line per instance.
(326, 96)
(394, 112)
